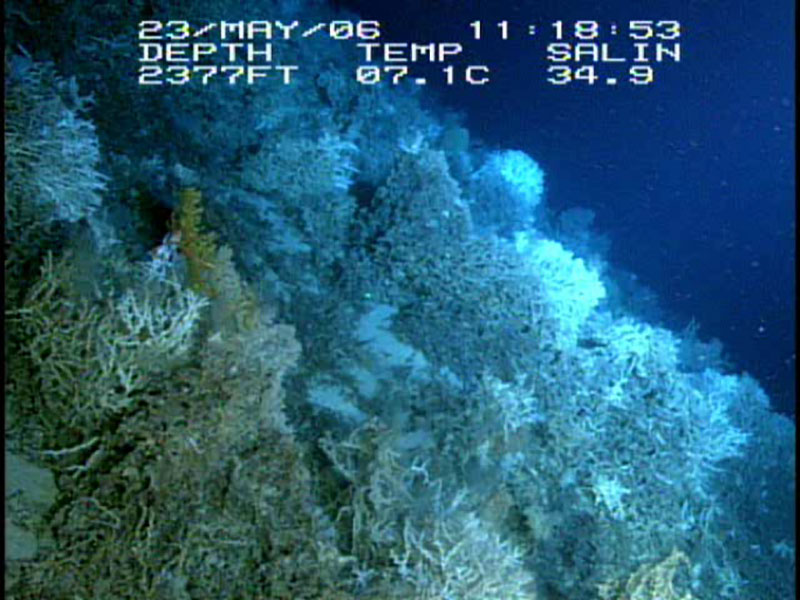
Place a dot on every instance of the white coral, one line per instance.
(609, 492)
(571, 289)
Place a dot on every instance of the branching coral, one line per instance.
(299, 167)
(441, 551)
(182, 472)
(650, 582)
(52, 152)
(93, 358)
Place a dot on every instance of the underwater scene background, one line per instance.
(310, 300)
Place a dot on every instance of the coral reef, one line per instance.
(476, 412)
